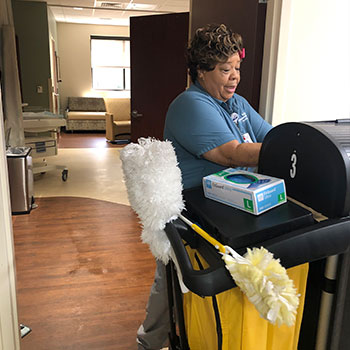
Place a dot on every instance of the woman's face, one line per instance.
(222, 82)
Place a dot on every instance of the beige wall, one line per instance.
(74, 51)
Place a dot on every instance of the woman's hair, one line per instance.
(210, 45)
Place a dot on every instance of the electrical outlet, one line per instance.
(39, 89)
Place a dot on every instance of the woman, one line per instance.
(211, 128)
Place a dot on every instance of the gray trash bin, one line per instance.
(20, 171)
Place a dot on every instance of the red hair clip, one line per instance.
(241, 53)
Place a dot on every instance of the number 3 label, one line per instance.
(293, 169)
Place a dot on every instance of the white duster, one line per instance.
(153, 182)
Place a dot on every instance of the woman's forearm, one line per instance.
(234, 154)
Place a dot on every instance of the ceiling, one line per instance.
(111, 12)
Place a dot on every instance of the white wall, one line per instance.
(75, 65)
(9, 332)
(52, 25)
(9, 335)
(306, 73)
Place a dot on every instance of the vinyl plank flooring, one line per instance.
(83, 275)
(85, 140)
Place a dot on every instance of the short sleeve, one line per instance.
(197, 124)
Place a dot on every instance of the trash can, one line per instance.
(20, 172)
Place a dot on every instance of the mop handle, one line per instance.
(204, 234)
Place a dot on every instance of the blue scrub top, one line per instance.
(196, 122)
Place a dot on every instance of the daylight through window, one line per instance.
(110, 63)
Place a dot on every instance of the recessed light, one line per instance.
(78, 8)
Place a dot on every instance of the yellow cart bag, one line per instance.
(229, 321)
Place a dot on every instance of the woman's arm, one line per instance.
(234, 154)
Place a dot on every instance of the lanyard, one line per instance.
(246, 137)
(235, 117)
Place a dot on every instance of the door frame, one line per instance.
(9, 328)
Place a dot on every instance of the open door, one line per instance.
(158, 69)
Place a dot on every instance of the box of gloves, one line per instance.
(251, 192)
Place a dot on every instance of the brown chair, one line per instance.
(118, 123)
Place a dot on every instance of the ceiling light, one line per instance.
(135, 6)
(127, 6)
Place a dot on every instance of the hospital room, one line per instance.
(126, 223)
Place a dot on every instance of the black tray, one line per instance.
(240, 229)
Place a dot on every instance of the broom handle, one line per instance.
(204, 234)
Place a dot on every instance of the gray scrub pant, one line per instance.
(153, 333)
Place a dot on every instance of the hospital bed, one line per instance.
(41, 130)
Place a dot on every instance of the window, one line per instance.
(110, 63)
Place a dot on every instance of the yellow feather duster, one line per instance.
(266, 284)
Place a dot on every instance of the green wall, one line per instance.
(31, 26)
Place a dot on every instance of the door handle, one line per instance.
(135, 114)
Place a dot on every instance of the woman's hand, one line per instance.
(234, 154)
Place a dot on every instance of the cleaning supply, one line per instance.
(153, 182)
(244, 190)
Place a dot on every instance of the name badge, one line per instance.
(247, 138)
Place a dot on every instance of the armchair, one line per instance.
(118, 123)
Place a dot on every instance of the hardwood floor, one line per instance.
(83, 276)
(84, 140)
